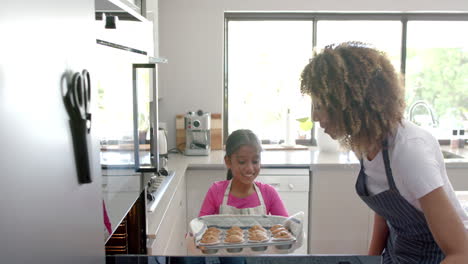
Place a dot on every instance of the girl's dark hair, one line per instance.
(238, 139)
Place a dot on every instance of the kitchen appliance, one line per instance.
(197, 133)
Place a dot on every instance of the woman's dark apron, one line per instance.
(409, 240)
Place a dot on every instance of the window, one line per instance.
(265, 59)
(265, 54)
(437, 73)
(384, 35)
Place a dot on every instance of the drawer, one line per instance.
(286, 183)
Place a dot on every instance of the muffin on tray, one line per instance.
(258, 236)
(213, 230)
(283, 235)
(233, 239)
(281, 229)
(209, 239)
(276, 227)
(257, 227)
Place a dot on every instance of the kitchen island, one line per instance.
(339, 222)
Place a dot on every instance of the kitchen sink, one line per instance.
(450, 155)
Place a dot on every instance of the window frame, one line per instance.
(314, 17)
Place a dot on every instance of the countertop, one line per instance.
(310, 158)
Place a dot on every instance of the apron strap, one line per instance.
(226, 193)
(388, 169)
(260, 196)
(362, 185)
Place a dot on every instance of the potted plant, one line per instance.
(305, 126)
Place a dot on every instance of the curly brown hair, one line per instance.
(360, 90)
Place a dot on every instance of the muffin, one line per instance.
(258, 236)
(234, 239)
(281, 229)
(209, 239)
(282, 235)
(213, 230)
(255, 232)
(276, 227)
(234, 232)
(257, 227)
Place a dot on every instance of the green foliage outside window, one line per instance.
(440, 77)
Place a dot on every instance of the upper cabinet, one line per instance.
(124, 9)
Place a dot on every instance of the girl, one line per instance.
(359, 100)
(240, 194)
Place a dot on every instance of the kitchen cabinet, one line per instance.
(169, 238)
(339, 221)
(198, 182)
(458, 177)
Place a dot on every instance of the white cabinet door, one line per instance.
(339, 220)
(170, 236)
(198, 183)
(459, 178)
(292, 185)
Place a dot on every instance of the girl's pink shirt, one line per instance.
(214, 197)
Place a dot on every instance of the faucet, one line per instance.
(429, 109)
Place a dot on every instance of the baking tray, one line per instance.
(224, 222)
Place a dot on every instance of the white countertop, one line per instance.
(311, 158)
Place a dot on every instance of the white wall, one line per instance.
(152, 12)
(191, 38)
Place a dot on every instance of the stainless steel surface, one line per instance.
(197, 133)
(427, 107)
(157, 60)
(47, 217)
(157, 187)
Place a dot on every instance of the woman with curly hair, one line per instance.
(358, 98)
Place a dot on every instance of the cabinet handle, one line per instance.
(275, 185)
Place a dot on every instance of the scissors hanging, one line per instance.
(78, 102)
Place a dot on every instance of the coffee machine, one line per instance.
(197, 133)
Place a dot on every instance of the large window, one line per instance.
(265, 54)
(437, 74)
(265, 59)
(385, 35)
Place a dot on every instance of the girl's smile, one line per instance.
(244, 164)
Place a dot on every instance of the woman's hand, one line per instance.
(379, 236)
(446, 226)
